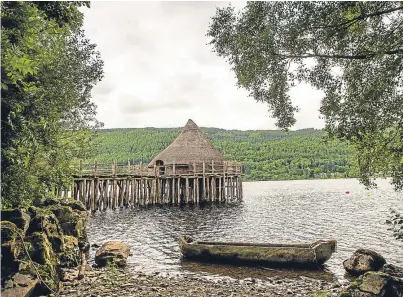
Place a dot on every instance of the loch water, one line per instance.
(271, 211)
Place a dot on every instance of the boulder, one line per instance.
(71, 256)
(374, 283)
(74, 204)
(20, 285)
(8, 231)
(9, 249)
(20, 217)
(45, 221)
(112, 252)
(363, 261)
(72, 222)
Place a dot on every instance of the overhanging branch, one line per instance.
(347, 57)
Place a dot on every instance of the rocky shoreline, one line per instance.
(121, 282)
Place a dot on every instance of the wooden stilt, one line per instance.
(187, 190)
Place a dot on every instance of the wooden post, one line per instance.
(93, 195)
(145, 191)
(231, 188)
(165, 188)
(224, 186)
(85, 192)
(219, 189)
(79, 190)
(173, 189)
(115, 193)
(197, 191)
(105, 196)
(155, 189)
(204, 182)
(110, 198)
(241, 189)
(214, 189)
(187, 190)
(178, 197)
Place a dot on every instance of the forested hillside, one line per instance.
(266, 155)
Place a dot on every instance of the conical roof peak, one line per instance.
(191, 146)
(190, 125)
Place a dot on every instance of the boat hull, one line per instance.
(305, 255)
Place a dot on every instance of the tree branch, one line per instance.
(360, 17)
(347, 57)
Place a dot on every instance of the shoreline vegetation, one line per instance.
(265, 154)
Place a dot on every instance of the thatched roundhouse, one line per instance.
(191, 147)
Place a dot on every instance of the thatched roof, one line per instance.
(189, 147)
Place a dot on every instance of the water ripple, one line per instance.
(281, 211)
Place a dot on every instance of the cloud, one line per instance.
(159, 70)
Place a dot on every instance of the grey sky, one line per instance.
(159, 72)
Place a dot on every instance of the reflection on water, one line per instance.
(281, 211)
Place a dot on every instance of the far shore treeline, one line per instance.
(264, 154)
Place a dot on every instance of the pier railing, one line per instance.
(194, 169)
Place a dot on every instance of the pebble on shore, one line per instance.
(121, 282)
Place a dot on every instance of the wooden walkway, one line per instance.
(114, 186)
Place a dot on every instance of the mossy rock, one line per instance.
(73, 223)
(13, 250)
(42, 251)
(8, 231)
(71, 256)
(20, 217)
(45, 221)
(112, 252)
(374, 282)
(50, 277)
(74, 204)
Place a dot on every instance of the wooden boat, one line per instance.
(293, 254)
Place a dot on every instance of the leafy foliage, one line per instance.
(265, 155)
(48, 69)
(396, 223)
(352, 51)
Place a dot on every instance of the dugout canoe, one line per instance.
(292, 254)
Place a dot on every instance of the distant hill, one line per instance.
(265, 154)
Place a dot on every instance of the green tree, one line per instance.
(48, 68)
(352, 51)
